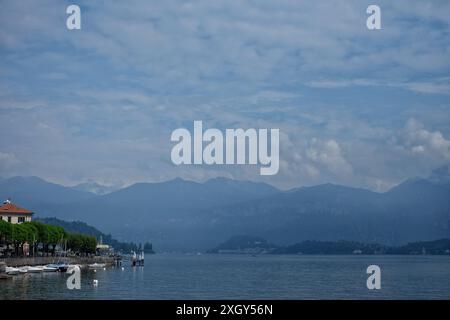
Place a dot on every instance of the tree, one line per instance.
(55, 235)
(75, 242)
(41, 235)
(5, 233)
(31, 233)
(89, 245)
(81, 244)
(19, 236)
(36, 233)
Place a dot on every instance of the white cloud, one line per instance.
(434, 86)
(429, 87)
(424, 142)
(202, 45)
(94, 101)
(329, 155)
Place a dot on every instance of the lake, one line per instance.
(210, 276)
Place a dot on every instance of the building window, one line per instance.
(20, 219)
(9, 219)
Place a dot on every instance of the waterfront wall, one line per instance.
(30, 261)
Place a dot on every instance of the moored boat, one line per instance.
(50, 268)
(23, 270)
(97, 266)
(61, 267)
(35, 269)
(12, 271)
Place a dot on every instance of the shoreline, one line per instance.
(36, 261)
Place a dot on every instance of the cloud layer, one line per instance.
(365, 108)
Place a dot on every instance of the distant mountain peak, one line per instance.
(241, 183)
(94, 187)
(179, 180)
(27, 178)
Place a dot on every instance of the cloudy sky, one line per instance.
(356, 107)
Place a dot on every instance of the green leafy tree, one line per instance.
(5, 233)
(42, 235)
(31, 233)
(49, 236)
(19, 236)
(81, 244)
(89, 245)
(55, 236)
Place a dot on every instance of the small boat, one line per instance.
(50, 268)
(12, 271)
(23, 270)
(35, 269)
(62, 267)
(97, 266)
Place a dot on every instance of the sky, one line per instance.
(364, 108)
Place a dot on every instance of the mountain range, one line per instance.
(187, 215)
(94, 187)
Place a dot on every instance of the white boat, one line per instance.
(97, 266)
(12, 271)
(49, 268)
(23, 269)
(35, 269)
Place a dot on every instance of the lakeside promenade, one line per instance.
(35, 261)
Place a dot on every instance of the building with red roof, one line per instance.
(14, 214)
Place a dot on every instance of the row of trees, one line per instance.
(43, 237)
(83, 228)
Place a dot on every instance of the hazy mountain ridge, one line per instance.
(95, 188)
(245, 244)
(408, 212)
(186, 214)
(34, 191)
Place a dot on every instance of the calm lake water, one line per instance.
(170, 276)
